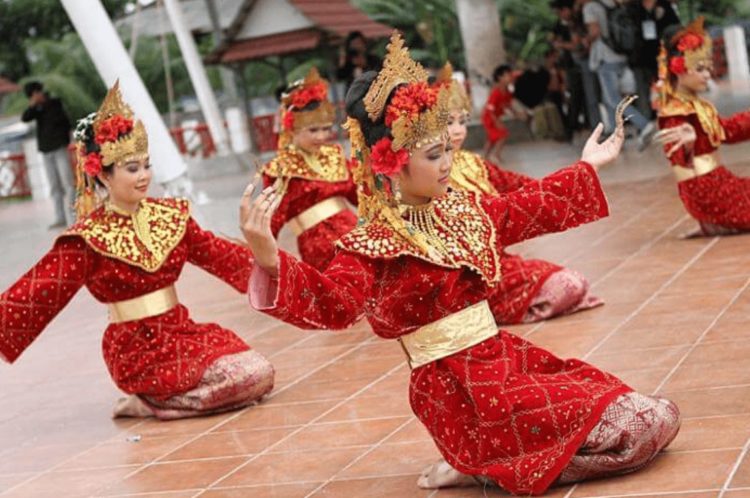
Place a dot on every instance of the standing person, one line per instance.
(355, 58)
(671, 14)
(499, 103)
(52, 137)
(420, 267)
(311, 174)
(591, 90)
(530, 289)
(643, 60)
(129, 252)
(611, 67)
(693, 132)
(566, 41)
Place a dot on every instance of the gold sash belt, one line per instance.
(147, 305)
(449, 335)
(317, 213)
(705, 163)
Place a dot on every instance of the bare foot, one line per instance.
(132, 406)
(442, 475)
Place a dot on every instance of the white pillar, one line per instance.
(736, 50)
(198, 77)
(112, 62)
(482, 36)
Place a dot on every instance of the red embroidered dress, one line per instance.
(120, 257)
(497, 103)
(522, 278)
(503, 408)
(717, 197)
(309, 181)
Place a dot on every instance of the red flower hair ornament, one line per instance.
(93, 164)
(384, 161)
(287, 122)
(689, 41)
(314, 93)
(410, 100)
(113, 128)
(677, 65)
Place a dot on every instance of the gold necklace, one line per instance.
(141, 225)
(423, 219)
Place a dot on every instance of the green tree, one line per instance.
(430, 27)
(24, 21)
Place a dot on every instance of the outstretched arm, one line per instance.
(293, 291)
(736, 127)
(220, 257)
(28, 306)
(565, 199)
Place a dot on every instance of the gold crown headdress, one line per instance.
(416, 115)
(693, 47)
(458, 100)
(313, 88)
(118, 139)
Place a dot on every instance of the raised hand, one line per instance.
(599, 154)
(679, 136)
(255, 223)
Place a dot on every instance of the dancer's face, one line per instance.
(312, 138)
(457, 128)
(696, 80)
(128, 183)
(428, 173)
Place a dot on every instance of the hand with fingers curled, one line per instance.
(600, 154)
(677, 137)
(255, 223)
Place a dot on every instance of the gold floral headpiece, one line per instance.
(313, 88)
(114, 117)
(694, 49)
(108, 137)
(415, 112)
(458, 99)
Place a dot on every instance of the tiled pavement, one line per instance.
(338, 422)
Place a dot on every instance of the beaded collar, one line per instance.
(144, 239)
(328, 165)
(456, 225)
(470, 173)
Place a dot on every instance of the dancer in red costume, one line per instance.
(312, 174)
(500, 409)
(129, 252)
(531, 289)
(693, 131)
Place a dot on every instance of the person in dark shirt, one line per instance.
(53, 137)
(356, 58)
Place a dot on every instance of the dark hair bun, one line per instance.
(355, 108)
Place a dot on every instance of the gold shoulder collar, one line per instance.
(328, 165)
(144, 239)
(708, 116)
(463, 229)
(469, 172)
(676, 107)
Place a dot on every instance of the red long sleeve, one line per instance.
(30, 304)
(565, 199)
(736, 127)
(309, 299)
(220, 257)
(506, 181)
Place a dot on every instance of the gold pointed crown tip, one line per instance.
(445, 74)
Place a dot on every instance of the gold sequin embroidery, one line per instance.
(469, 173)
(144, 239)
(457, 227)
(328, 165)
